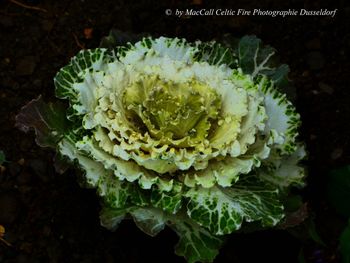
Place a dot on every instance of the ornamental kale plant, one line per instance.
(196, 136)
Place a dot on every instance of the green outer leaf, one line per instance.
(215, 54)
(279, 76)
(113, 191)
(47, 119)
(110, 218)
(196, 244)
(345, 245)
(255, 59)
(169, 201)
(138, 196)
(150, 220)
(222, 210)
(117, 37)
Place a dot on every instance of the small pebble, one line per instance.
(337, 153)
(325, 88)
(21, 161)
(313, 137)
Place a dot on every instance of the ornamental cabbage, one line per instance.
(196, 136)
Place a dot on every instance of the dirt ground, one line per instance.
(49, 218)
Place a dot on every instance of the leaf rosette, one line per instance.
(194, 135)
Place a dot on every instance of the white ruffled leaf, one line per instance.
(284, 171)
(283, 121)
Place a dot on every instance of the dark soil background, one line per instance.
(49, 218)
